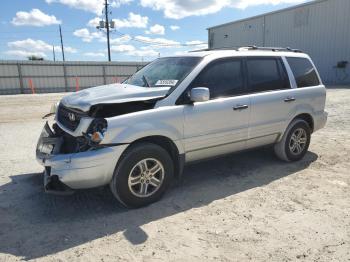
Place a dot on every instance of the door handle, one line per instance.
(289, 99)
(240, 107)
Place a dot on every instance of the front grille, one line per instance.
(63, 117)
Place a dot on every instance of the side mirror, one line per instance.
(199, 94)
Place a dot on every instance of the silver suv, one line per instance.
(138, 135)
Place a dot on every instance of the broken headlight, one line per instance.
(97, 129)
(53, 110)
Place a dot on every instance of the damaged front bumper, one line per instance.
(65, 172)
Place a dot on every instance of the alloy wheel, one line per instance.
(146, 177)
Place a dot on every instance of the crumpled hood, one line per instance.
(110, 94)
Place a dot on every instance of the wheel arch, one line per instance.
(170, 146)
(307, 118)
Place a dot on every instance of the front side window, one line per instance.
(168, 71)
(304, 73)
(266, 74)
(223, 78)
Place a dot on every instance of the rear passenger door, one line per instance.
(271, 99)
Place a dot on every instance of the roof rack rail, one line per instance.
(217, 48)
(252, 47)
(274, 49)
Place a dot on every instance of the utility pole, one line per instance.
(107, 27)
(62, 43)
(53, 53)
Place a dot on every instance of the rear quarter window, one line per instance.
(304, 72)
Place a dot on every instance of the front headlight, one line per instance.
(53, 110)
(97, 129)
(54, 107)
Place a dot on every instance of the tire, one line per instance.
(284, 149)
(133, 183)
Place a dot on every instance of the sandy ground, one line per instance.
(246, 206)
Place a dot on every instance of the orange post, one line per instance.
(76, 84)
(31, 85)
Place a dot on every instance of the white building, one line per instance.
(320, 28)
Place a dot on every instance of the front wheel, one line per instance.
(295, 141)
(142, 175)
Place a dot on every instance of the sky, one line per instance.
(143, 29)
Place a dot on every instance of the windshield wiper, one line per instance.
(144, 78)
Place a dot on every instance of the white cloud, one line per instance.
(120, 40)
(34, 18)
(83, 33)
(30, 45)
(94, 22)
(161, 42)
(118, 3)
(178, 9)
(93, 6)
(92, 54)
(197, 44)
(174, 27)
(156, 30)
(24, 53)
(88, 36)
(24, 48)
(133, 20)
(144, 53)
(130, 50)
(122, 48)
(68, 49)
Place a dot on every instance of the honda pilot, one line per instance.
(138, 135)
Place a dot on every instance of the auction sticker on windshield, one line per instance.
(170, 82)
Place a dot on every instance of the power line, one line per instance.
(132, 38)
(157, 43)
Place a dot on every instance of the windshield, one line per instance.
(168, 71)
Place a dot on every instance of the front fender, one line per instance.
(164, 121)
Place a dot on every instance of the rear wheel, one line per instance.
(295, 141)
(142, 175)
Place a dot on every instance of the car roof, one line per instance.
(242, 52)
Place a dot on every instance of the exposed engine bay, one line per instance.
(110, 110)
(70, 119)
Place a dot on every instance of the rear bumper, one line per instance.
(320, 120)
(80, 170)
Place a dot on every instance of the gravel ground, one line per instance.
(246, 206)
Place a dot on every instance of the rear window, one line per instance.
(266, 74)
(304, 73)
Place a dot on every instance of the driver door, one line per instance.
(220, 125)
